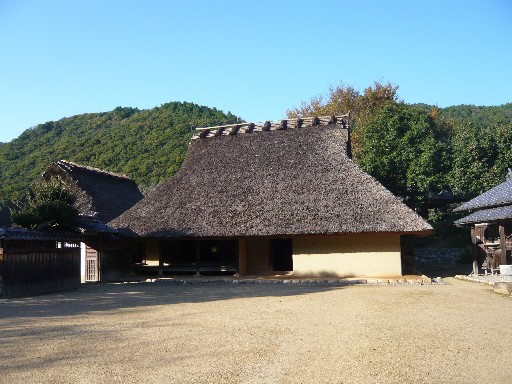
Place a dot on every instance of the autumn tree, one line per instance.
(343, 98)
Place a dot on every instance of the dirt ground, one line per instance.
(227, 333)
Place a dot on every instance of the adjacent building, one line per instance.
(490, 220)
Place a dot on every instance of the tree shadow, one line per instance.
(444, 270)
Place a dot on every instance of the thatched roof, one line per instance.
(272, 183)
(100, 193)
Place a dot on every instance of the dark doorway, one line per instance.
(281, 252)
(178, 257)
(207, 257)
(218, 257)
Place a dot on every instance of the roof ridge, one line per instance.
(297, 122)
(68, 164)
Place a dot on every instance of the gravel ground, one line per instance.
(228, 333)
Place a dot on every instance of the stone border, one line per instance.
(421, 280)
(502, 287)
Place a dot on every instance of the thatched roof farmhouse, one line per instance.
(275, 189)
(101, 193)
(102, 196)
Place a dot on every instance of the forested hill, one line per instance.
(414, 150)
(479, 115)
(147, 145)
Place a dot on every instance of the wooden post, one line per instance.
(198, 257)
(242, 257)
(2, 289)
(474, 251)
(503, 246)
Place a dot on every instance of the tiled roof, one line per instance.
(487, 215)
(27, 234)
(497, 196)
(93, 224)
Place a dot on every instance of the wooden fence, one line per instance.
(28, 272)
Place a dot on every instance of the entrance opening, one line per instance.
(89, 264)
(218, 257)
(178, 257)
(208, 257)
(281, 252)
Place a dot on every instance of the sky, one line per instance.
(256, 59)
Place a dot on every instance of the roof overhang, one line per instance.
(486, 216)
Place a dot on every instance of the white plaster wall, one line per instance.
(357, 255)
(82, 262)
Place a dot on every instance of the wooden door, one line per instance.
(91, 264)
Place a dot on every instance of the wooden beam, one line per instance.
(305, 120)
(219, 132)
(204, 134)
(198, 257)
(503, 245)
(234, 130)
(474, 251)
(242, 256)
(250, 128)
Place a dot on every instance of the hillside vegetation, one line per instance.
(415, 150)
(419, 150)
(147, 145)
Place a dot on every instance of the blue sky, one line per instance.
(257, 59)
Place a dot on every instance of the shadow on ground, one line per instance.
(113, 297)
(444, 270)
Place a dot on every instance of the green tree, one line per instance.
(481, 156)
(401, 146)
(48, 202)
(148, 145)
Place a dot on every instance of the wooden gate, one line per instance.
(91, 264)
(37, 271)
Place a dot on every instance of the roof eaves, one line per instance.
(486, 215)
(69, 166)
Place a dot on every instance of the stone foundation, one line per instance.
(438, 255)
